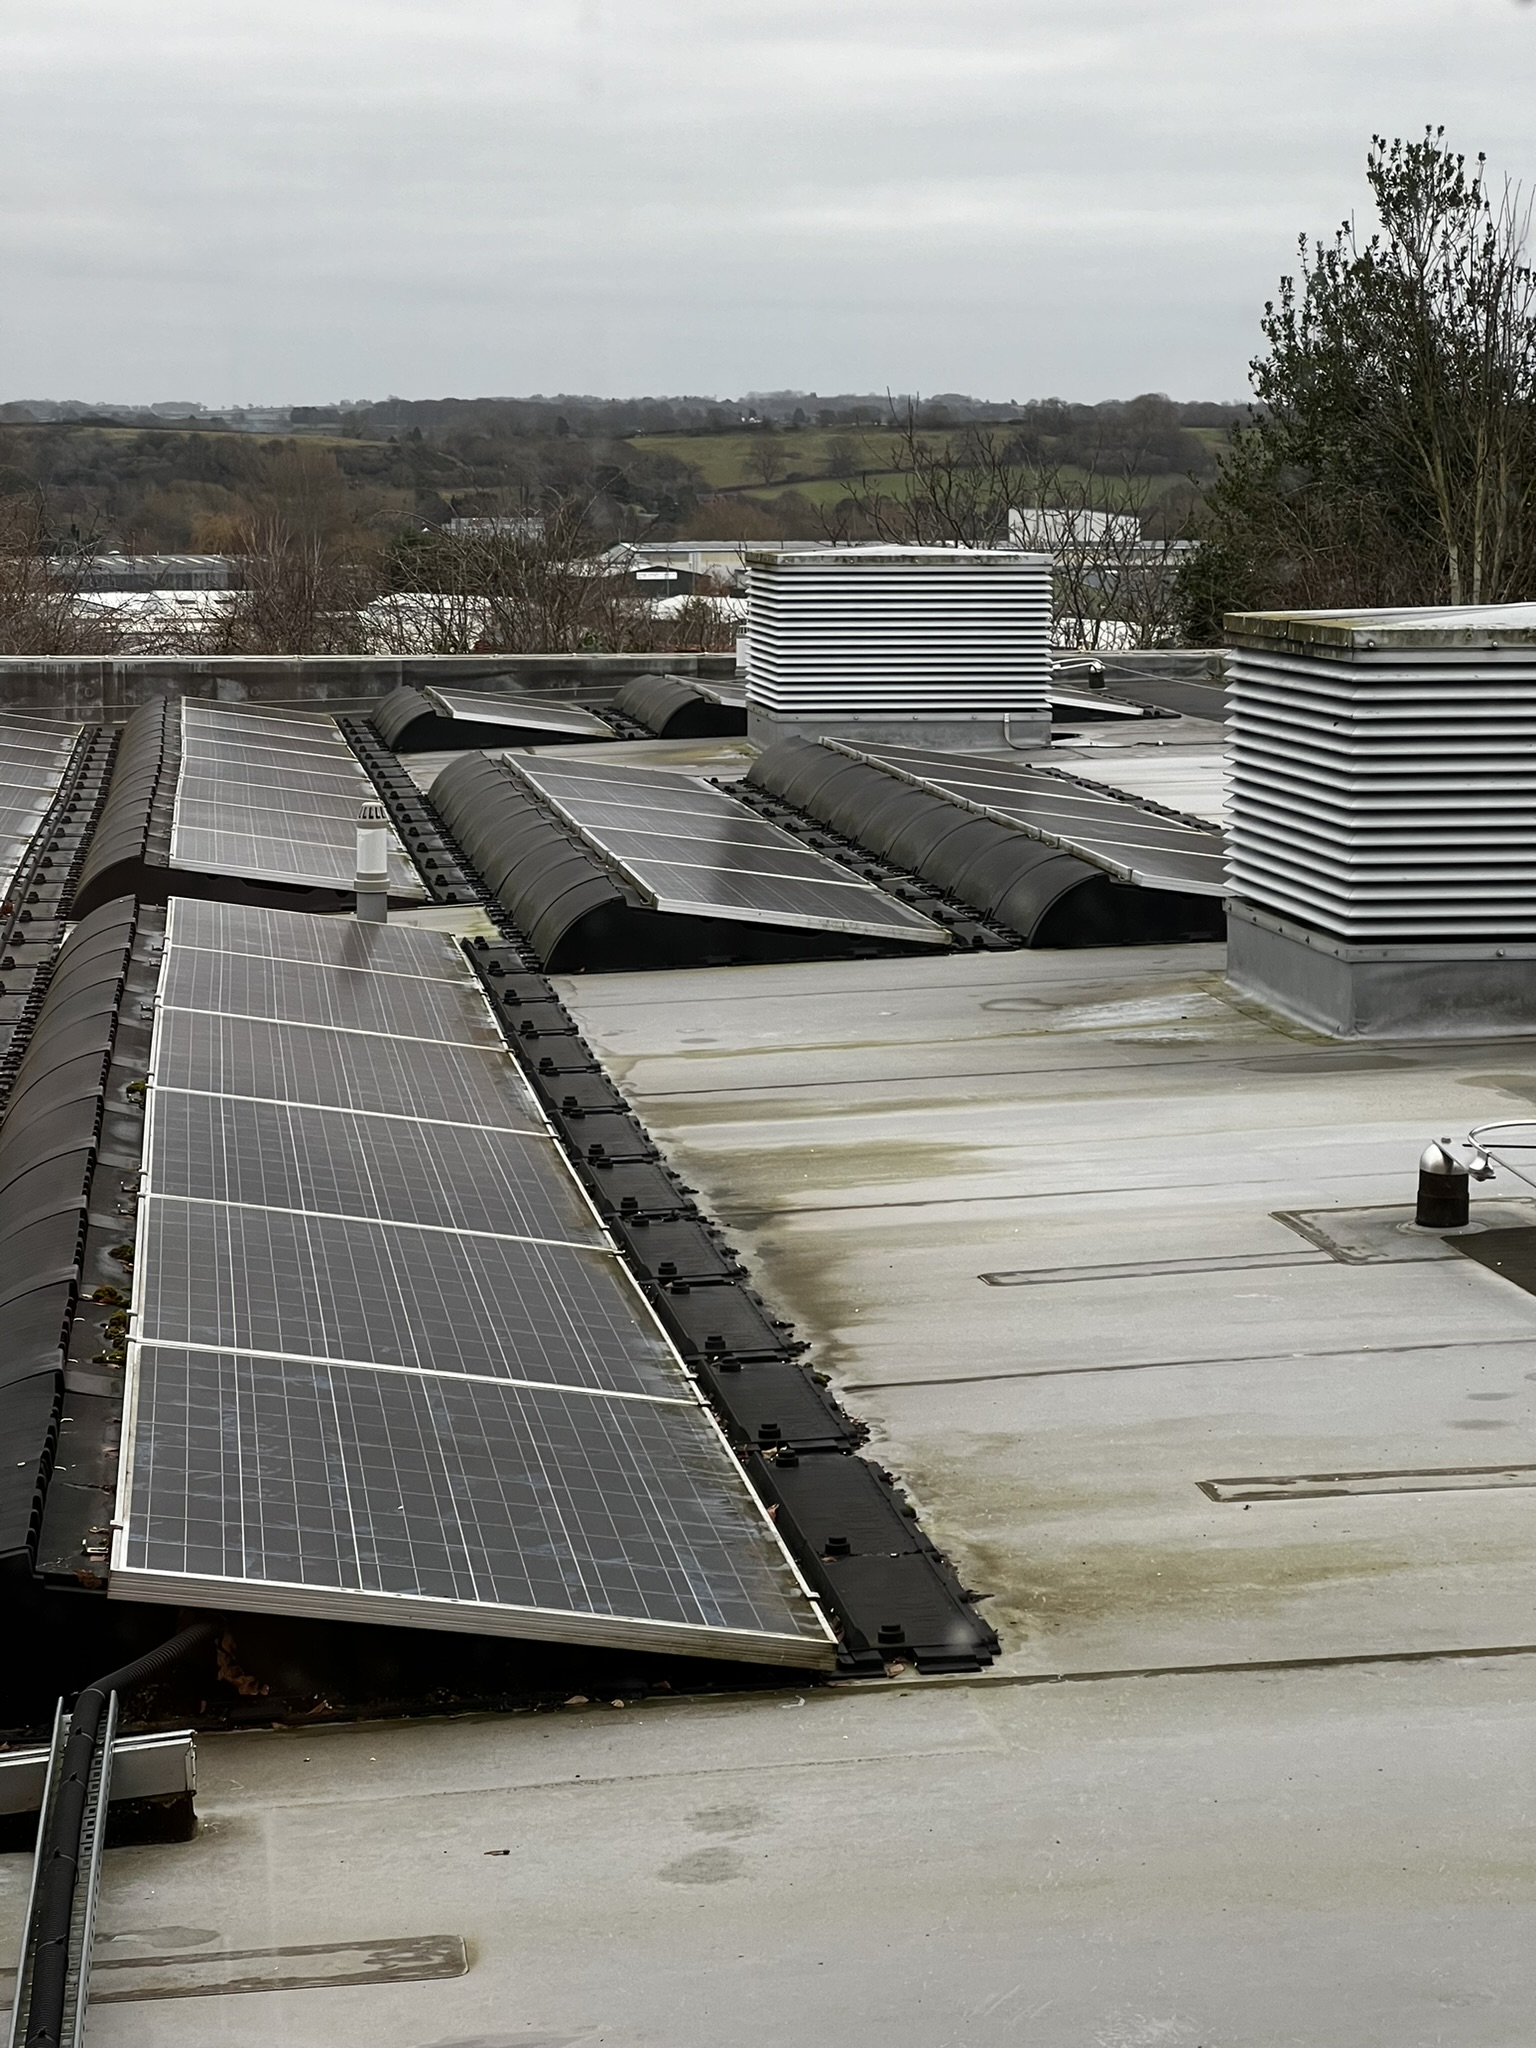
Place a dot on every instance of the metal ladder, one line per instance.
(82, 1924)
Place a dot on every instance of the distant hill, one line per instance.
(767, 465)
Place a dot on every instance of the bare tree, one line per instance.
(425, 622)
(1114, 562)
(842, 456)
(44, 605)
(302, 592)
(925, 489)
(765, 459)
(536, 585)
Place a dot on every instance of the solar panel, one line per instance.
(23, 753)
(301, 787)
(460, 1504)
(744, 852)
(315, 750)
(325, 941)
(261, 856)
(344, 999)
(293, 779)
(696, 850)
(306, 1286)
(336, 1069)
(273, 1155)
(537, 713)
(33, 758)
(1112, 832)
(385, 1362)
(241, 718)
(634, 785)
(212, 811)
(273, 798)
(738, 823)
(764, 898)
(29, 779)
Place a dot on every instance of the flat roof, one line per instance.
(1248, 1769)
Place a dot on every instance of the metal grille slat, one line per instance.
(936, 633)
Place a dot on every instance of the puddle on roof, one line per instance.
(1518, 1087)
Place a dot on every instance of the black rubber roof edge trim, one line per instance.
(675, 708)
(142, 790)
(30, 1428)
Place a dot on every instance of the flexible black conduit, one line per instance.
(59, 1856)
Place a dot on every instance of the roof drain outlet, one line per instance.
(372, 882)
(1444, 1191)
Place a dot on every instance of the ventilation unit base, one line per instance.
(952, 735)
(1437, 990)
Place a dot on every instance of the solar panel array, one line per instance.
(539, 714)
(691, 848)
(385, 1363)
(34, 752)
(273, 796)
(1112, 832)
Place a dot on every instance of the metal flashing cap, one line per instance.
(1405, 629)
(1437, 1158)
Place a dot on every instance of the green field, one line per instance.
(723, 462)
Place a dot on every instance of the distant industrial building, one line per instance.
(716, 559)
(151, 572)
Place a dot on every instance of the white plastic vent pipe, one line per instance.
(372, 882)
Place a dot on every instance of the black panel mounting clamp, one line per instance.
(1444, 1190)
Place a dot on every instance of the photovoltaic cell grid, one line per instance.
(1109, 831)
(385, 1363)
(492, 1504)
(488, 707)
(1188, 779)
(691, 848)
(273, 796)
(34, 752)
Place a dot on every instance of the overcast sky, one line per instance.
(274, 200)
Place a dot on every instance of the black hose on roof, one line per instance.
(59, 1854)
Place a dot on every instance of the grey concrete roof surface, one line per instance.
(1248, 1774)
(1334, 1857)
(878, 1137)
